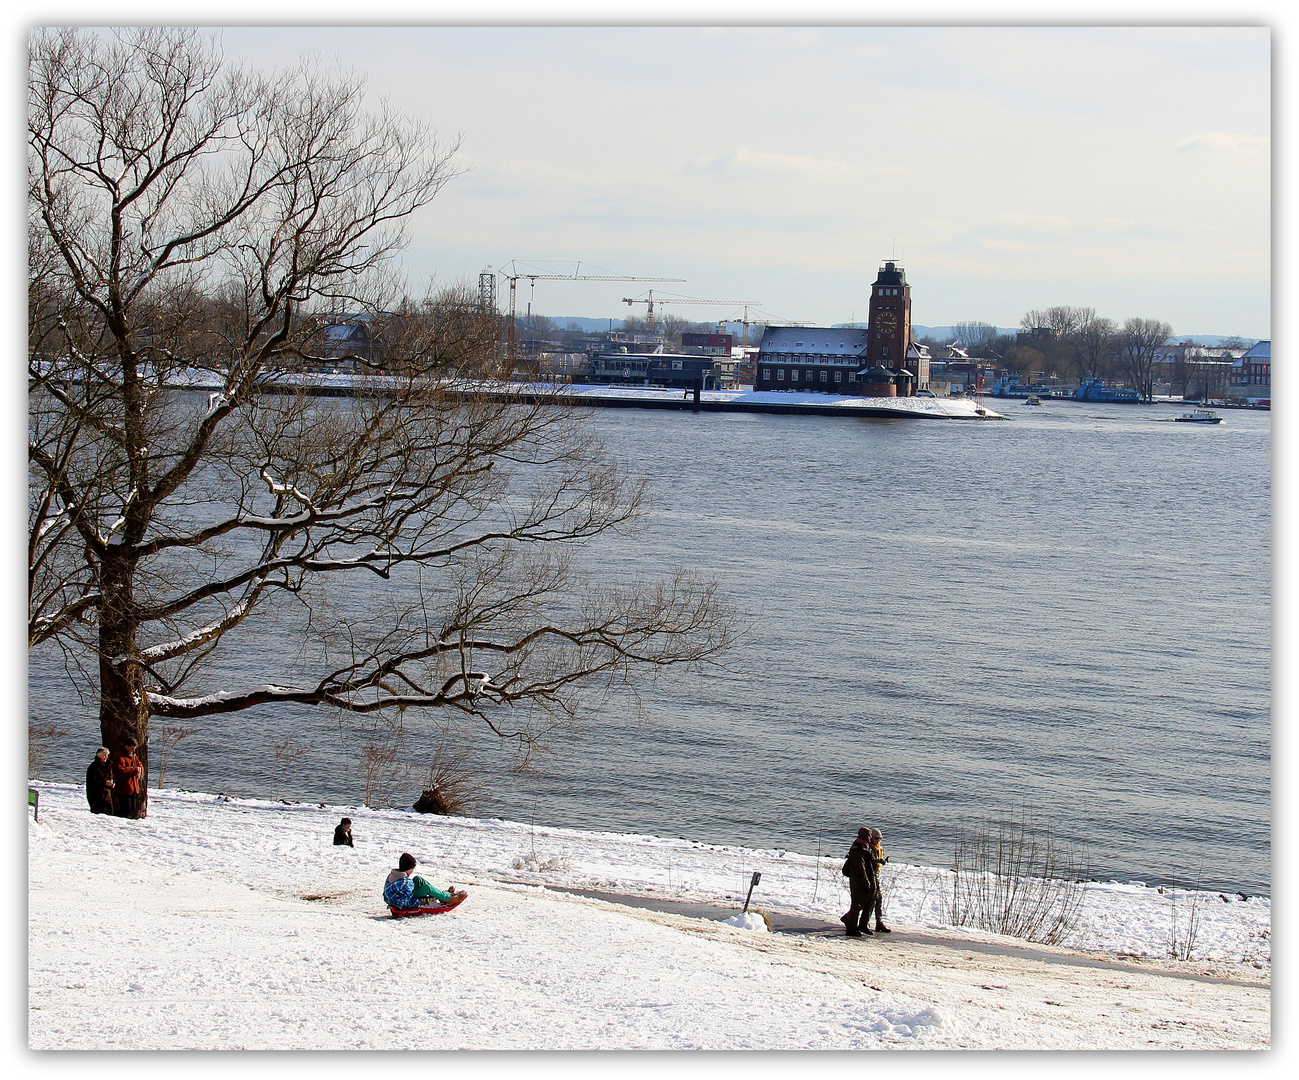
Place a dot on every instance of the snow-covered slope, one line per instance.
(234, 923)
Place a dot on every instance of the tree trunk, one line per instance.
(123, 703)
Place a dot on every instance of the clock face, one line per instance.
(888, 322)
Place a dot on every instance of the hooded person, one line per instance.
(405, 889)
(343, 833)
(863, 885)
(99, 783)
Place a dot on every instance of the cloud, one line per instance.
(744, 160)
(1219, 142)
(1035, 223)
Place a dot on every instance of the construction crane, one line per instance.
(513, 274)
(650, 300)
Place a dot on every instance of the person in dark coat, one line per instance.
(343, 833)
(99, 783)
(127, 771)
(859, 869)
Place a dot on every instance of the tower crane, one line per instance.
(650, 300)
(512, 273)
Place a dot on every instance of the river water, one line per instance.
(1066, 614)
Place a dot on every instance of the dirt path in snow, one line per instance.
(1101, 1001)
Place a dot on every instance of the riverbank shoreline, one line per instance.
(223, 923)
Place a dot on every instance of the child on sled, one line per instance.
(403, 891)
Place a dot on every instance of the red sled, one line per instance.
(430, 909)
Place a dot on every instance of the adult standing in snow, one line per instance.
(99, 783)
(127, 771)
(875, 854)
(343, 833)
(401, 890)
(862, 885)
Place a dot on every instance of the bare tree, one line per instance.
(1096, 341)
(185, 216)
(971, 335)
(1138, 345)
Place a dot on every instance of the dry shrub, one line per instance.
(40, 737)
(1184, 917)
(452, 788)
(285, 754)
(1014, 877)
(165, 737)
(378, 766)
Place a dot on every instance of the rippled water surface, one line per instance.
(1067, 612)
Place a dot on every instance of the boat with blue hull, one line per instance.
(1096, 390)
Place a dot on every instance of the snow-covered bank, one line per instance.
(224, 923)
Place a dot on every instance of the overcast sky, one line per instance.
(1126, 169)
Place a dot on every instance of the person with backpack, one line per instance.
(863, 885)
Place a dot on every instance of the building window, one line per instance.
(780, 375)
(838, 376)
(766, 374)
(825, 376)
(885, 351)
(793, 375)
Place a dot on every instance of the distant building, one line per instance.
(348, 340)
(682, 371)
(879, 361)
(1253, 370)
(708, 344)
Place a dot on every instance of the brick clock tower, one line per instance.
(889, 331)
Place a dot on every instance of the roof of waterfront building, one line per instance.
(813, 340)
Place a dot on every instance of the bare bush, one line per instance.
(40, 737)
(164, 738)
(378, 766)
(1184, 917)
(285, 753)
(452, 786)
(1014, 877)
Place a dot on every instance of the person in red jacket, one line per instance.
(127, 772)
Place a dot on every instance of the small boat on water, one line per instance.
(1199, 416)
(1032, 399)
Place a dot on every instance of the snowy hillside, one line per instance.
(224, 923)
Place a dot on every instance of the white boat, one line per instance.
(1032, 399)
(1199, 416)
